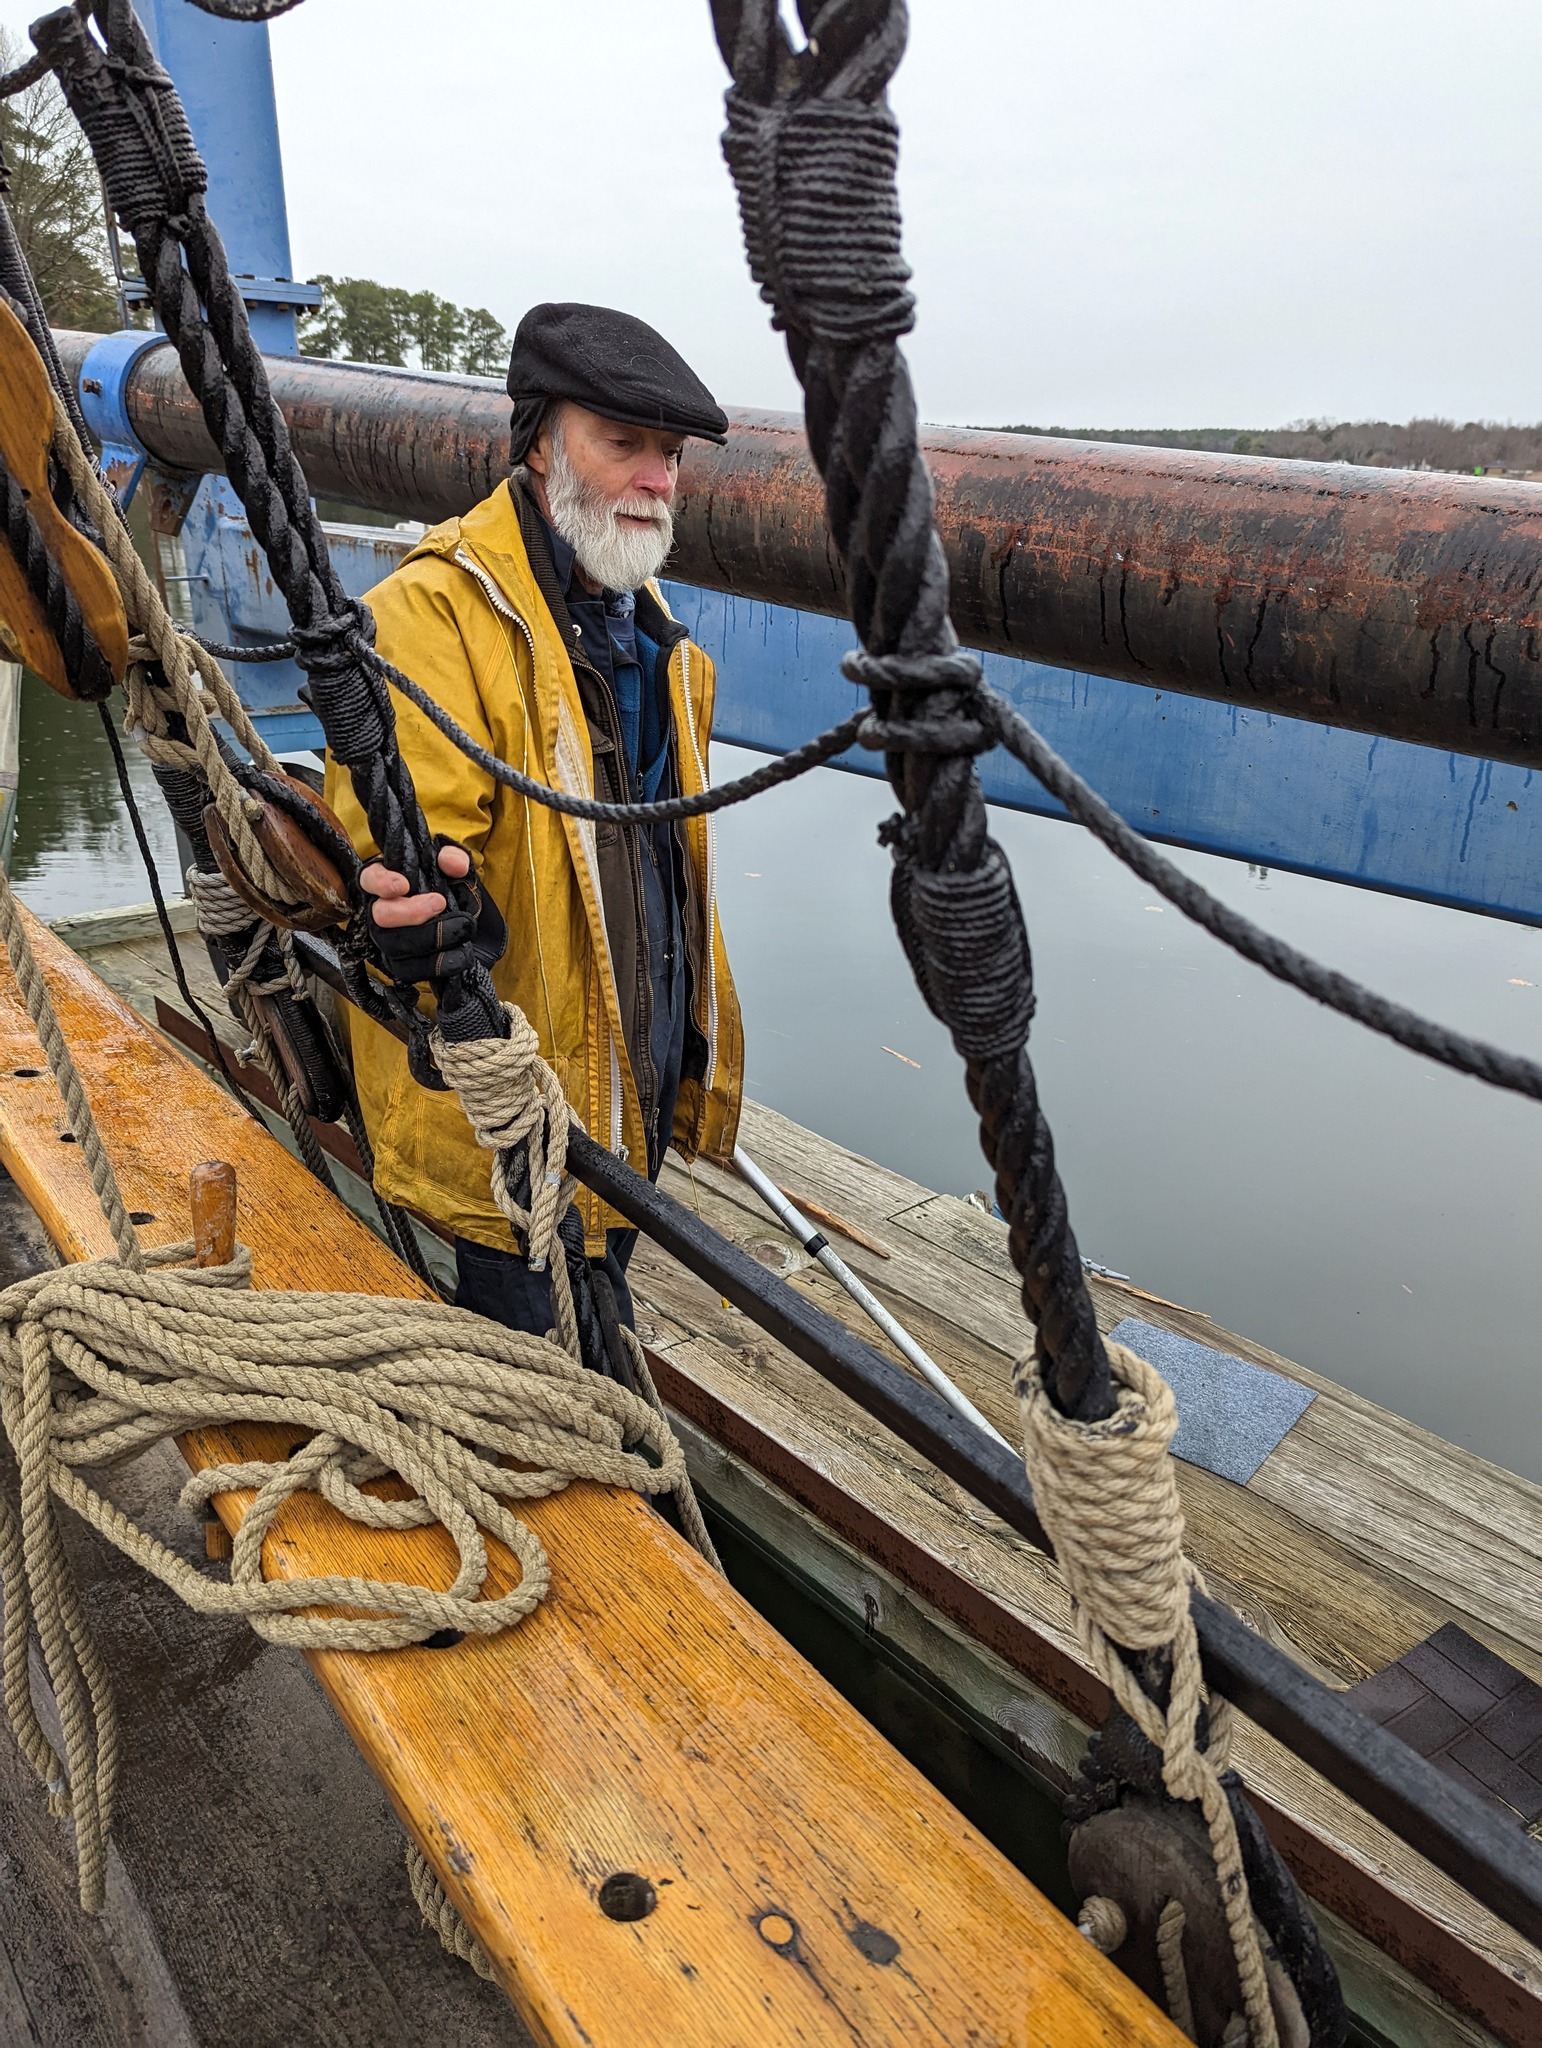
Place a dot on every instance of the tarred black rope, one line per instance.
(37, 68)
(155, 180)
(84, 661)
(246, 10)
(813, 149)
(276, 650)
(782, 768)
(813, 146)
(1325, 985)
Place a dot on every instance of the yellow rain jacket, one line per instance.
(464, 616)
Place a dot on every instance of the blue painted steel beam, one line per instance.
(1379, 813)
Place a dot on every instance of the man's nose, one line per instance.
(655, 474)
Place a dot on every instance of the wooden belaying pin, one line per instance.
(212, 1192)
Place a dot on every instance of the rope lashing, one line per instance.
(97, 1363)
(223, 914)
(511, 1097)
(812, 145)
(1107, 1492)
(517, 1111)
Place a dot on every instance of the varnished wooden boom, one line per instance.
(812, 1887)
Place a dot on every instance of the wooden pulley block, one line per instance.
(316, 895)
(26, 432)
(1143, 1854)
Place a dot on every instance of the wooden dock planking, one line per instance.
(1363, 1490)
(1293, 1550)
(643, 1718)
(1332, 1601)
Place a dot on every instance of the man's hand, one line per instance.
(419, 937)
(395, 904)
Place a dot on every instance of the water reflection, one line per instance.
(73, 848)
(1222, 1139)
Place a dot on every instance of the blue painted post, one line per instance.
(224, 73)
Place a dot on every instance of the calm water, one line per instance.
(1222, 1139)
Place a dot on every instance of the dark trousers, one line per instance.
(501, 1286)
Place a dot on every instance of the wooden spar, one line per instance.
(811, 1886)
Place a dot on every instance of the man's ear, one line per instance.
(538, 455)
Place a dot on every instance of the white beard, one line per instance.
(615, 556)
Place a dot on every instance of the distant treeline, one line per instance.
(1479, 445)
(368, 322)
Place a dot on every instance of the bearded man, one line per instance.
(534, 621)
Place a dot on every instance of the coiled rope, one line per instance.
(100, 1361)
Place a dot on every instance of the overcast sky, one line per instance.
(1119, 214)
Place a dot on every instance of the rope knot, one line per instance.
(1107, 1492)
(1108, 1495)
(511, 1098)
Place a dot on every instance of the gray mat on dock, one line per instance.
(1231, 1413)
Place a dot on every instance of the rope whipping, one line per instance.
(812, 146)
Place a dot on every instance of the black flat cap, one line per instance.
(611, 363)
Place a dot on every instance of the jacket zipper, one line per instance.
(495, 597)
(711, 961)
(505, 610)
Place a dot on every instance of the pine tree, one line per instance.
(484, 345)
(55, 197)
(436, 329)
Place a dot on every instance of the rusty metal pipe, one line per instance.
(1400, 604)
